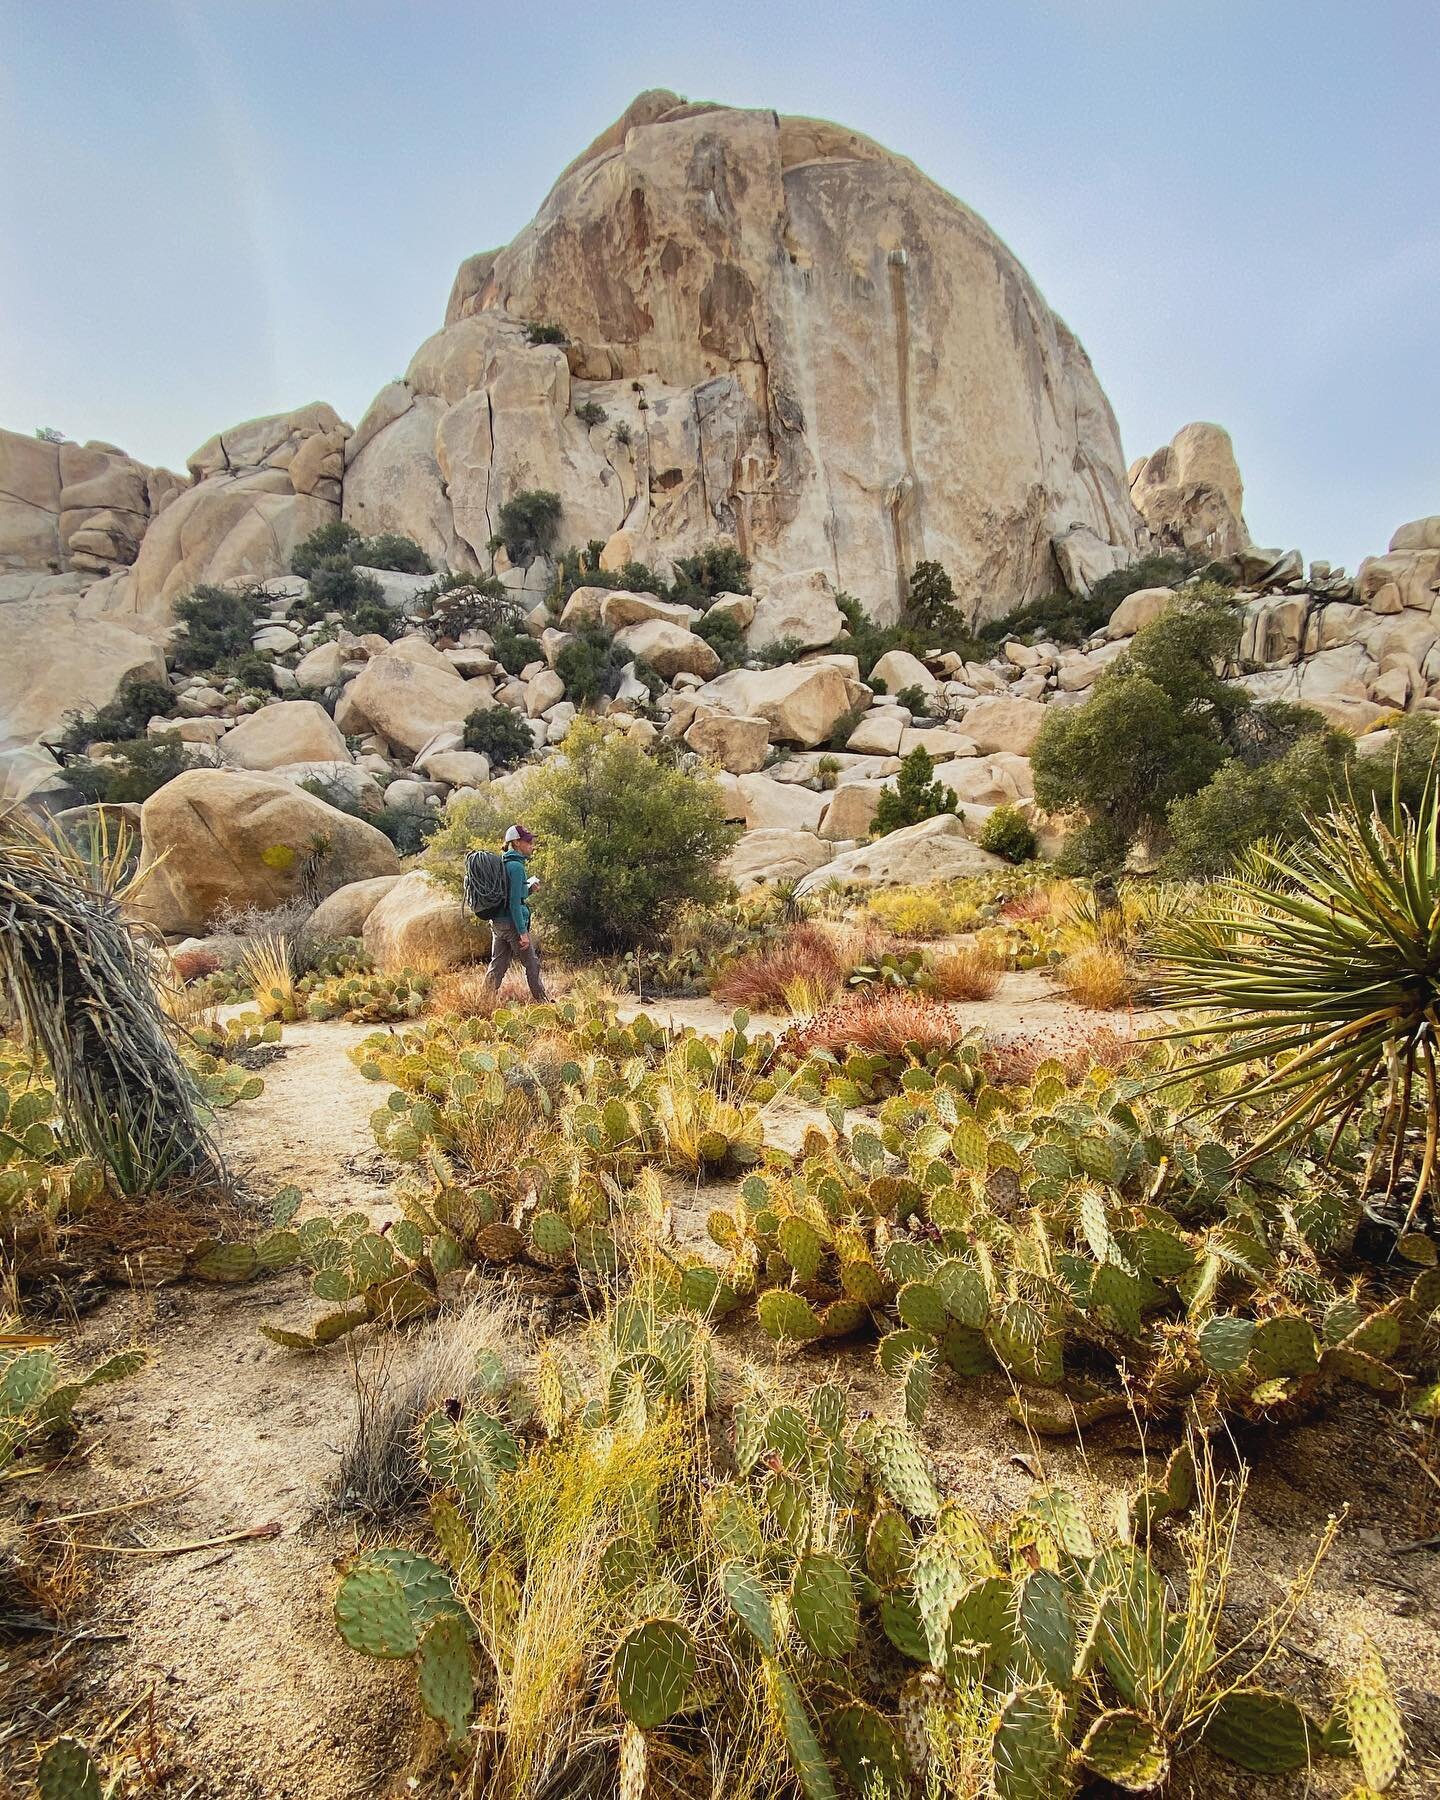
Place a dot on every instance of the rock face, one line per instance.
(839, 366)
(54, 663)
(75, 506)
(216, 838)
(1190, 494)
(343, 913)
(934, 850)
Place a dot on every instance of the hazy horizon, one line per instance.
(216, 214)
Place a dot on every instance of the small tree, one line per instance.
(932, 603)
(527, 524)
(501, 734)
(624, 842)
(915, 796)
(219, 623)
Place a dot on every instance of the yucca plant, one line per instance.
(1321, 963)
(79, 981)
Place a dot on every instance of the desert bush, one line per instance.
(591, 414)
(912, 912)
(1244, 804)
(915, 796)
(456, 603)
(1009, 834)
(1097, 977)
(625, 842)
(337, 586)
(527, 524)
(1154, 729)
(125, 717)
(717, 569)
(721, 631)
(219, 623)
(327, 541)
(194, 965)
(515, 650)
(887, 1021)
(500, 733)
(930, 605)
(136, 769)
(540, 331)
(393, 550)
(969, 972)
(1065, 618)
(476, 823)
(765, 978)
(779, 651)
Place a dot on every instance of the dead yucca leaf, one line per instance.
(79, 981)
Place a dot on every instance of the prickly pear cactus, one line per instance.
(654, 1670)
(67, 1771)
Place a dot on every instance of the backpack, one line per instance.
(486, 890)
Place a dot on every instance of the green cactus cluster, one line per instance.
(41, 1176)
(813, 1559)
(227, 1040)
(366, 997)
(1048, 1232)
(38, 1396)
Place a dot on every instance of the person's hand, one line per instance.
(524, 940)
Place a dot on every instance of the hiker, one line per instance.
(510, 937)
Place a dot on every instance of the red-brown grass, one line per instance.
(970, 972)
(1011, 1061)
(194, 965)
(759, 978)
(887, 1020)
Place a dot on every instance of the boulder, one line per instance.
(1003, 724)
(739, 745)
(343, 913)
(978, 781)
(669, 649)
(774, 855)
(621, 608)
(1190, 494)
(406, 701)
(850, 811)
(418, 924)
(1084, 557)
(934, 850)
(879, 732)
(780, 806)
(583, 606)
(57, 661)
(801, 703)
(417, 649)
(940, 742)
(290, 731)
(222, 838)
(542, 691)
(799, 608)
(457, 768)
(899, 670)
(321, 667)
(1420, 534)
(1139, 609)
(739, 607)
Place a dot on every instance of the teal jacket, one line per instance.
(517, 888)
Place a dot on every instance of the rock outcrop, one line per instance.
(775, 332)
(1190, 494)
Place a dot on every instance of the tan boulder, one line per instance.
(774, 855)
(978, 781)
(223, 838)
(321, 667)
(56, 661)
(1003, 724)
(583, 607)
(621, 608)
(935, 850)
(799, 608)
(1139, 609)
(457, 768)
(669, 649)
(1190, 494)
(418, 924)
(739, 745)
(405, 701)
(801, 702)
(878, 733)
(1413, 575)
(1420, 534)
(343, 913)
(739, 607)
(780, 806)
(898, 670)
(29, 502)
(850, 811)
(940, 742)
(290, 731)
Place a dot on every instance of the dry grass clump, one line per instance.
(396, 1386)
(1011, 1061)
(969, 973)
(1098, 978)
(885, 1020)
(464, 994)
(194, 965)
(914, 912)
(759, 980)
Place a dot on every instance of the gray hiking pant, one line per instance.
(505, 949)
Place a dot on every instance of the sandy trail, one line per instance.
(258, 1693)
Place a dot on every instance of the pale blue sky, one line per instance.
(210, 211)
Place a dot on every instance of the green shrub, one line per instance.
(337, 586)
(842, 728)
(622, 433)
(915, 700)
(501, 734)
(137, 770)
(1155, 728)
(780, 651)
(392, 550)
(625, 841)
(1246, 804)
(1065, 618)
(1008, 833)
(717, 569)
(527, 524)
(1408, 767)
(593, 665)
(591, 413)
(457, 603)
(538, 332)
(914, 797)
(408, 831)
(335, 539)
(868, 642)
(513, 650)
(125, 717)
(477, 822)
(722, 632)
(219, 623)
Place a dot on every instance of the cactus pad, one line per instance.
(67, 1771)
(1028, 1749)
(373, 1614)
(786, 1317)
(1046, 1626)
(1225, 1343)
(1126, 1750)
(654, 1669)
(227, 1263)
(1263, 1732)
(1373, 1721)
(870, 1750)
(822, 1598)
(747, 1598)
(889, 1549)
(1283, 1346)
(446, 1674)
(799, 1734)
(893, 1455)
